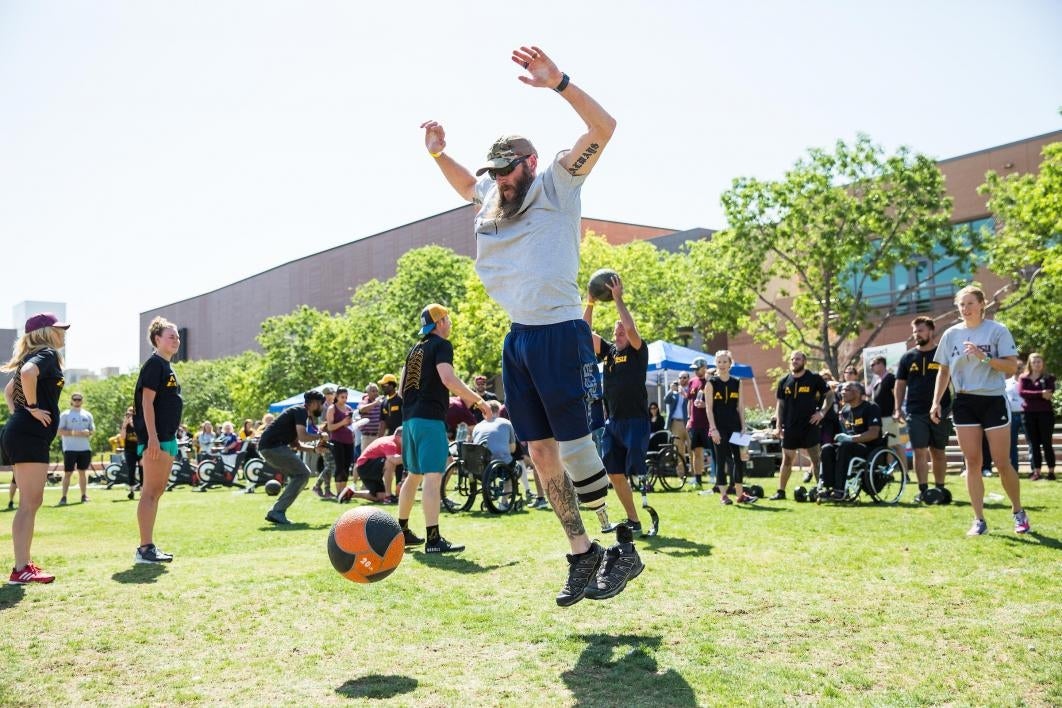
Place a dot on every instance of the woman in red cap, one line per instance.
(33, 397)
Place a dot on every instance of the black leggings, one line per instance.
(132, 465)
(344, 456)
(1039, 429)
(727, 455)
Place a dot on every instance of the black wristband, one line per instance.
(563, 84)
(31, 405)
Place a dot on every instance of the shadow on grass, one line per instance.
(1033, 538)
(629, 676)
(140, 574)
(760, 507)
(377, 686)
(456, 564)
(295, 526)
(11, 595)
(677, 547)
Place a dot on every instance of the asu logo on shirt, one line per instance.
(171, 382)
(621, 359)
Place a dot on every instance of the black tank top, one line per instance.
(725, 398)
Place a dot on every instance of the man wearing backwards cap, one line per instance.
(426, 380)
(527, 255)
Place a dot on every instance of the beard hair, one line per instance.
(921, 342)
(797, 369)
(507, 208)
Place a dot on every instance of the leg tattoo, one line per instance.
(562, 497)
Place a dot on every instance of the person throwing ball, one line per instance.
(277, 447)
(527, 255)
(426, 380)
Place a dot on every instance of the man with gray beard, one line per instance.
(527, 255)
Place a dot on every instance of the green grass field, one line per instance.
(780, 603)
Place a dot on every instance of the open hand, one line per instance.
(543, 72)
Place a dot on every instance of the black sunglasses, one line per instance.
(506, 171)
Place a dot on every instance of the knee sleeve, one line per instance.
(583, 465)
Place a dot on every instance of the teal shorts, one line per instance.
(424, 446)
(168, 446)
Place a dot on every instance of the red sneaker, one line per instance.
(29, 574)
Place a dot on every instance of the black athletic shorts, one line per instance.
(925, 433)
(82, 459)
(20, 447)
(801, 438)
(699, 438)
(989, 412)
(371, 475)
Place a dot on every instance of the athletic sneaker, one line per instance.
(412, 539)
(130, 494)
(11, 506)
(31, 573)
(581, 571)
(725, 500)
(318, 491)
(449, 504)
(540, 503)
(441, 545)
(62, 501)
(1021, 522)
(620, 564)
(836, 495)
(986, 473)
(151, 554)
(979, 528)
(277, 517)
(778, 496)
(345, 496)
(1035, 476)
(747, 498)
(1051, 476)
(84, 499)
(808, 476)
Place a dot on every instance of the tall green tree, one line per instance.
(808, 250)
(1026, 250)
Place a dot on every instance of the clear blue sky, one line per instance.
(151, 151)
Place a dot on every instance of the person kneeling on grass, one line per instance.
(379, 460)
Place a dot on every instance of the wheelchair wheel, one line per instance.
(463, 485)
(252, 470)
(667, 472)
(495, 498)
(886, 476)
(206, 470)
(113, 472)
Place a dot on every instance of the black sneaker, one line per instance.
(808, 476)
(621, 563)
(441, 545)
(277, 517)
(778, 496)
(62, 501)
(581, 570)
(412, 539)
(151, 554)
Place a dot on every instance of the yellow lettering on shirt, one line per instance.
(804, 389)
(914, 367)
(621, 359)
(934, 366)
(733, 395)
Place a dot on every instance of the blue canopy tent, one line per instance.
(665, 357)
(295, 400)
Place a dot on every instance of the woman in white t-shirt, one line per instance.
(977, 356)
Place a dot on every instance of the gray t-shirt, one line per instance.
(968, 374)
(529, 264)
(497, 435)
(75, 420)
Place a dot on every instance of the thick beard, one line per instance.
(796, 369)
(507, 208)
(921, 342)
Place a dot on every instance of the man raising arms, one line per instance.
(527, 255)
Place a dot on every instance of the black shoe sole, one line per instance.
(569, 601)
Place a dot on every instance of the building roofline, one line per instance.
(1000, 147)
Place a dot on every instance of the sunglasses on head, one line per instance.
(506, 171)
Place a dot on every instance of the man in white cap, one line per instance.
(527, 243)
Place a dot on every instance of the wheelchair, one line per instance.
(501, 487)
(881, 474)
(662, 462)
(466, 472)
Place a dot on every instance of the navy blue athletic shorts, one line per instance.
(550, 377)
(624, 446)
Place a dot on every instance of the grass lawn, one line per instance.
(777, 603)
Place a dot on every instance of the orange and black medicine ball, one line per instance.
(365, 545)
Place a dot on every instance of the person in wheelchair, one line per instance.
(498, 436)
(861, 421)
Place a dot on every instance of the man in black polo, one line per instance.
(277, 447)
(626, 437)
(882, 392)
(803, 399)
(481, 388)
(916, 375)
(861, 421)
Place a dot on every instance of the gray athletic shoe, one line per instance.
(581, 571)
(621, 564)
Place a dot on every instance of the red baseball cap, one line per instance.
(44, 319)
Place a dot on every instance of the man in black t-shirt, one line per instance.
(481, 388)
(803, 399)
(427, 378)
(916, 375)
(626, 438)
(862, 433)
(392, 405)
(277, 447)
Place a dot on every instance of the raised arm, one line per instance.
(543, 73)
(588, 318)
(459, 177)
(616, 286)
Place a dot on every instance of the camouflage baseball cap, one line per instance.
(506, 149)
